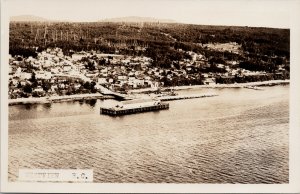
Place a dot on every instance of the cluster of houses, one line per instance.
(54, 73)
(62, 73)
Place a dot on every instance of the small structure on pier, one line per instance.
(134, 106)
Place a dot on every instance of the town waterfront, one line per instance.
(239, 136)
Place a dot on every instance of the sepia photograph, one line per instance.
(164, 92)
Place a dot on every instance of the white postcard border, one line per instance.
(293, 6)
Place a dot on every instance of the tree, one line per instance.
(87, 85)
(46, 86)
(27, 88)
(176, 65)
(19, 85)
(33, 78)
(93, 89)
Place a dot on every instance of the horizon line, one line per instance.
(158, 20)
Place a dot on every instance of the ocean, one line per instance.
(239, 136)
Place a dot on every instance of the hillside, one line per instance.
(260, 48)
(27, 18)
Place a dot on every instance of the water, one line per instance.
(240, 136)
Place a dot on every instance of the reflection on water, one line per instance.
(28, 106)
(47, 105)
(240, 136)
(91, 102)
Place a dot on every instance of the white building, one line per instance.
(210, 81)
(122, 77)
(25, 75)
(38, 89)
(67, 68)
(102, 80)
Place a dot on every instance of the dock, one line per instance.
(134, 106)
(253, 87)
(182, 97)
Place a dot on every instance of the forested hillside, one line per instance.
(164, 43)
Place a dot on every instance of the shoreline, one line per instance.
(45, 100)
(237, 85)
(76, 97)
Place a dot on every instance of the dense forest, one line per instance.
(164, 43)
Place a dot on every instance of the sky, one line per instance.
(261, 13)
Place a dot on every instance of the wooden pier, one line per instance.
(117, 112)
(134, 106)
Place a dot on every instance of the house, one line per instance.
(125, 61)
(54, 87)
(137, 73)
(155, 84)
(138, 83)
(220, 66)
(104, 74)
(134, 64)
(131, 80)
(104, 70)
(25, 75)
(39, 89)
(60, 54)
(62, 86)
(205, 75)
(36, 64)
(91, 75)
(67, 68)
(148, 83)
(43, 75)
(85, 79)
(54, 70)
(23, 83)
(102, 80)
(10, 70)
(47, 63)
(15, 82)
(77, 86)
(210, 81)
(77, 56)
(147, 78)
(189, 69)
(122, 77)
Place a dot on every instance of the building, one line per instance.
(102, 80)
(210, 81)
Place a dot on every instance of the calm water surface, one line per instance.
(240, 136)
